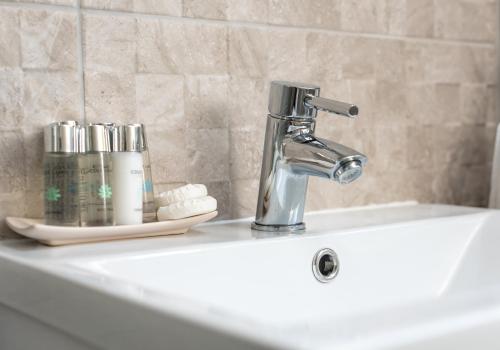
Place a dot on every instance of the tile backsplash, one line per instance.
(197, 72)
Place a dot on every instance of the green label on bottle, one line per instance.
(53, 194)
(104, 191)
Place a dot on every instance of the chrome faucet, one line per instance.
(292, 153)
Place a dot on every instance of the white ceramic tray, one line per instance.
(62, 235)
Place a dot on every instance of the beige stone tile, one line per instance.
(448, 184)
(248, 50)
(248, 10)
(422, 103)
(48, 97)
(173, 47)
(395, 12)
(244, 195)
(110, 96)
(447, 104)
(390, 63)
(162, 187)
(419, 18)
(364, 16)
(215, 9)
(489, 140)
(33, 162)
(48, 39)
(120, 5)
(476, 185)
(359, 57)
(13, 176)
(109, 43)
(462, 145)
(337, 89)
(11, 99)
(10, 41)
(247, 148)
(446, 63)
(169, 155)
(11, 204)
(416, 59)
(205, 102)
(485, 20)
(34, 203)
(402, 185)
(208, 155)
(50, 2)
(460, 63)
(160, 100)
(391, 151)
(392, 104)
(453, 20)
(433, 104)
(320, 13)
(247, 103)
(478, 64)
(476, 145)
(447, 18)
(474, 103)
(420, 147)
(322, 194)
(324, 56)
(363, 94)
(222, 192)
(162, 7)
(288, 56)
(493, 117)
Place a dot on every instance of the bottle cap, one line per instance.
(63, 137)
(129, 138)
(99, 137)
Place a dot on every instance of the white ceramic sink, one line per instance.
(411, 277)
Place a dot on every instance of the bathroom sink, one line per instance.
(410, 277)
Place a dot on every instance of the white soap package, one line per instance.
(186, 201)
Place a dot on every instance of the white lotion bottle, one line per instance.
(127, 174)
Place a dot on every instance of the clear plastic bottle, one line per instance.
(60, 166)
(96, 167)
(149, 206)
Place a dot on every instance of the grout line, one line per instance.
(231, 23)
(81, 77)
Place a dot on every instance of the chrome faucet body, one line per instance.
(292, 153)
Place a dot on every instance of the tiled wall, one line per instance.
(197, 72)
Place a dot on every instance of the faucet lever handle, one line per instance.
(324, 104)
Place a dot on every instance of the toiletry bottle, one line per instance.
(149, 207)
(60, 165)
(127, 174)
(96, 190)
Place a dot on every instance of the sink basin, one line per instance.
(410, 277)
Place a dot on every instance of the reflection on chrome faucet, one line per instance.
(292, 153)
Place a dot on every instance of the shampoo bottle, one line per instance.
(128, 174)
(60, 164)
(96, 169)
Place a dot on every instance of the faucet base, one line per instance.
(279, 228)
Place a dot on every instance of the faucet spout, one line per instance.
(309, 155)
